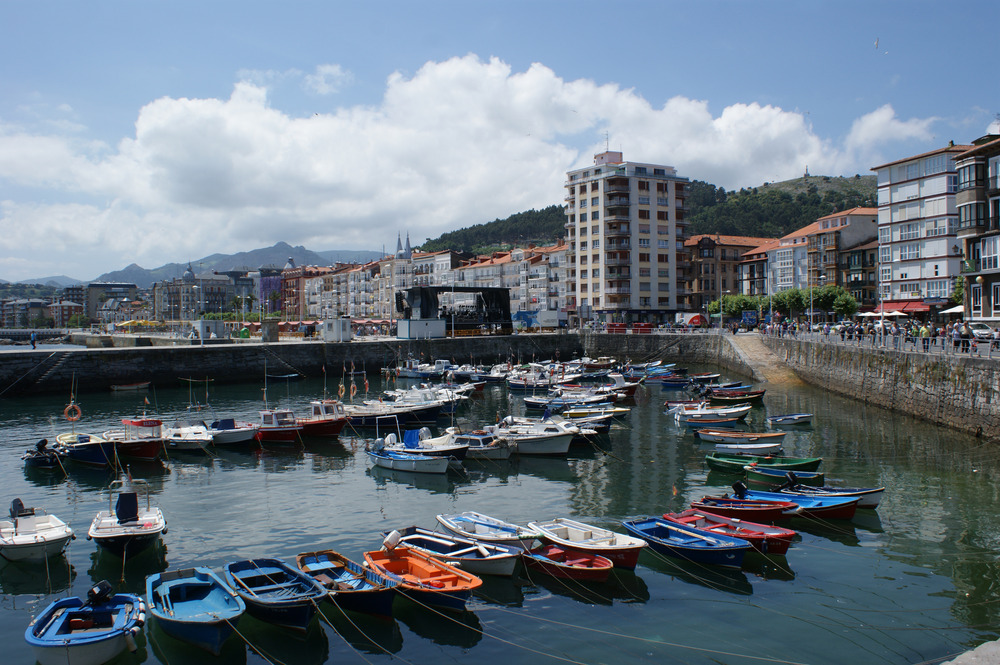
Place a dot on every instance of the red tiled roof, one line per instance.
(852, 211)
(739, 241)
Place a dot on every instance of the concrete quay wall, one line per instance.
(96, 369)
(957, 391)
(694, 347)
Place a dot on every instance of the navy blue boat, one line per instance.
(275, 592)
(350, 585)
(685, 542)
(195, 606)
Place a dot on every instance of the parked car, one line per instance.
(981, 330)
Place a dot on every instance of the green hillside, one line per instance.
(541, 227)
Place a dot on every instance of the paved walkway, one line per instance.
(772, 368)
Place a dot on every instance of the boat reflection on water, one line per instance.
(868, 520)
(286, 646)
(280, 459)
(436, 483)
(547, 468)
(52, 576)
(366, 633)
(153, 471)
(712, 577)
(768, 566)
(129, 574)
(839, 531)
(503, 591)
(445, 627)
(479, 471)
(171, 650)
(622, 586)
(229, 458)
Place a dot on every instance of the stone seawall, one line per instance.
(699, 348)
(96, 369)
(957, 391)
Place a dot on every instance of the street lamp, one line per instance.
(811, 289)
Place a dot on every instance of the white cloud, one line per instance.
(327, 80)
(459, 142)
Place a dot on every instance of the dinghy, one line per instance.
(470, 555)
(275, 592)
(568, 564)
(193, 605)
(478, 526)
(762, 537)
(685, 542)
(350, 585)
(622, 550)
(32, 535)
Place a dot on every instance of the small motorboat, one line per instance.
(735, 463)
(195, 606)
(746, 509)
(326, 418)
(398, 461)
(43, 457)
(483, 445)
(762, 537)
(138, 438)
(275, 592)
(350, 585)
(423, 578)
(478, 558)
(187, 436)
(130, 387)
(88, 449)
(568, 564)
(790, 419)
(621, 549)
(551, 436)
(725, 436)
(685, 542)
(125, 529)
(87, 632)
(770, 476)
(420, 442)
(31, 534)
(278, 426)
(814, 507)
(868, 497)
(478, 526)
(229, 432)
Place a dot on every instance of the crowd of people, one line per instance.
(926, 335)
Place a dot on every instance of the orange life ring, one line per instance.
(354, 390)
(340, 391)
(72, 412)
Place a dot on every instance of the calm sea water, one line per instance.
(913, 582)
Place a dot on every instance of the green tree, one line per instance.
(958, 294)
(43, 321)
(78, 321)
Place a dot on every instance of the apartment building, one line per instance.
(978, 204)
(837, 231)
(626, 231)
(715, 261)
(753, 269)
(919, 253)
(788, 261)
(858, 267)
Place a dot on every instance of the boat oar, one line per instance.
(244, 585)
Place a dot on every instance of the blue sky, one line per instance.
(150, 132)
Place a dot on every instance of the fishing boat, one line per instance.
(568, 564)
(719, 436)
(720, 421)
(543, 437)
(138, 438)
(478, 526)
(735, 463)
(326, 418)
(74, 631)
(423, 578)
(484, 446)
(125, 529)
(746, 509)
(32, 535)
(770, 476)
(377, 413)
(683, 414)
(685, 542)
(195, 606)
(762, 537)
(478, 558)
(230, 432)
(43, 457)
(399, 461)
(420, 442)
(88, 449)
(622, 550)
(275, 592)
(790, 419)
(868, 497)
(278, 426)
(559, 403)
(815, 507)
(731, 396)
(753, 449)
(350, 585)
(130, 387)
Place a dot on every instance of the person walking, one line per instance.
(34, 338)
(925, 336)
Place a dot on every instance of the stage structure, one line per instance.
(422, 317)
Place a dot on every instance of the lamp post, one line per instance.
(811, 289)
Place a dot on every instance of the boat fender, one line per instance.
(130, 643)
(164, 529)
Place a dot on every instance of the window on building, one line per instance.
(596, 272)
(663, 272)
(643, 272)
(663, 230)
(583, 244)
(644, 286)
(644, 200)
(595, 243)
(640, 170)
(583, 274)
(988, 253)
(596, 214)
(885, 274)
(643, 257)
(976, 299)
(938, 288)
(595, 186)
(595, 228)
(583, 217)
(643, 185)
(663, 243)
(885, 255)
(643, 214)
(663, 258)
(643, 242)
(909, 252)
(644, 228)
(995, 301)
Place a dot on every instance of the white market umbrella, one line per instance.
(869, 315)
(895, 314)
(957, 309)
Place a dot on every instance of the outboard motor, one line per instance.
(41, 445)
(740, 490)
(99, 593)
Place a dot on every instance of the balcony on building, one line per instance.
(616, 186)
(616, 260)
(617, 229)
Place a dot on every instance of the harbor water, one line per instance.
(916, 581)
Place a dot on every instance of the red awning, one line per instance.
(914, 307)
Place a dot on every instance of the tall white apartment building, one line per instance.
(919, 253)
(626, 231)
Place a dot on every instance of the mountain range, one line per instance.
(276, 256)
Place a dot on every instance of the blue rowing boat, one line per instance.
(350, 585)
(685, 542)
(195, 606)
(275, 592)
